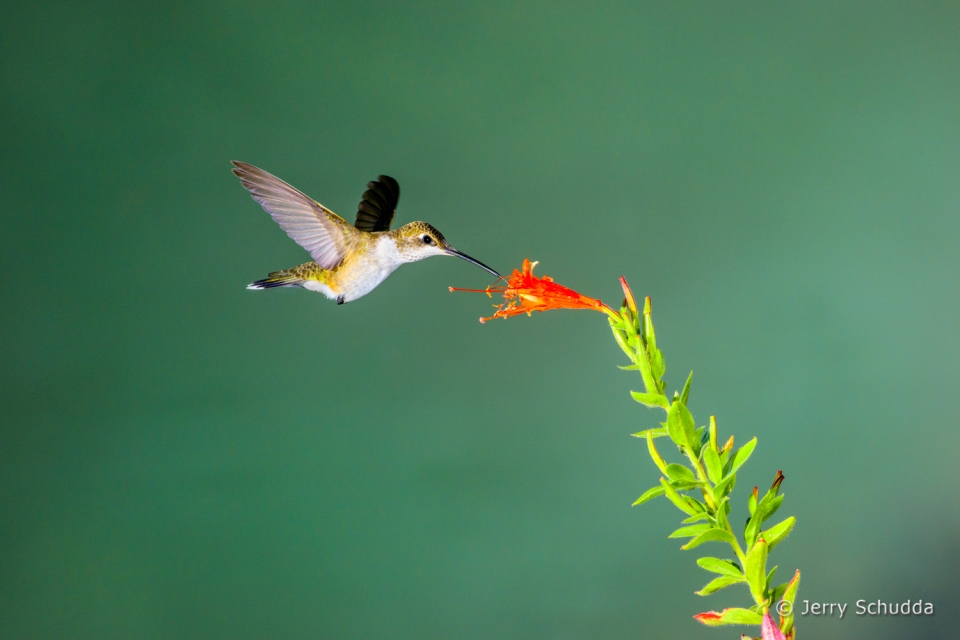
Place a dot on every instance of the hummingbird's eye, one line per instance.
(426, 239)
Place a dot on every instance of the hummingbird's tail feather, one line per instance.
(277, 279)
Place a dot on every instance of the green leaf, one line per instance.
(702, 437)
(752, 503)
(723, 508)
(777, 592)
(789, 596)
(690, 532)
(676, 498)
(725, 486)
(655, 455)
(772, 506)
(648, 332)
(628, 321)
(695, 504)
(621, 339)
(674, 426)
(687, 485)
(775, 534)
(718, 583)
(649, 494)
(729, 616)
(766, 508)
(679, 473)
(629, 367)
(682, 428)
(696, 518)
(771, 573)
(642, 358)
(650, 399)
(711, 460)
(657, 365)
(656, 433)
(723, 567)
(751, 531)
(742, 455)
(711, 535)
(725, 458)
(685, 394)
(756, 569)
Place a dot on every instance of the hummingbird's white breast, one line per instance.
(361, 273)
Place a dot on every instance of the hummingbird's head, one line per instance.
(419, 240)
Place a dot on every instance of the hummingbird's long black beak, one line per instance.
(453, 252)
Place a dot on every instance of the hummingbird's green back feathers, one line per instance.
(295, 277)
(324, 234)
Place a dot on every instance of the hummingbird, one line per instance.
(349, 261)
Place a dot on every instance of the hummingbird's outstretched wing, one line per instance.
(311, 225)
(379, 205)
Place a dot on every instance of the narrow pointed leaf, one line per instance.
(777, 592)
(695, 504)
(686, 485)
(650, 399)
(657, 366)
(685, 394)
(725, 486)
(723, 567)
(676, 498)
(696, 518)
(729, 616)
(723, 507)
(790, 595)
(679, 473)
(775, 534)
(742, 455)
(656, 433)
(690, 532)
(751, 531)
(711, 460)
(711, 535)
(649, 494)
(642, 358)
(718, 583)
(621, 339)
(771, 507)
(756, 569)
(674, 426)
(655, 455)
(702, 437)
(628, 323)
(770, 575)
(682, 428)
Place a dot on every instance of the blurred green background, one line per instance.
(183, 458)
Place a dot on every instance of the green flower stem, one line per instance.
(714, 475)
(736, 545)
(708, 496)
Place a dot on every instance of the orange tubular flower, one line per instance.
(526, 293)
